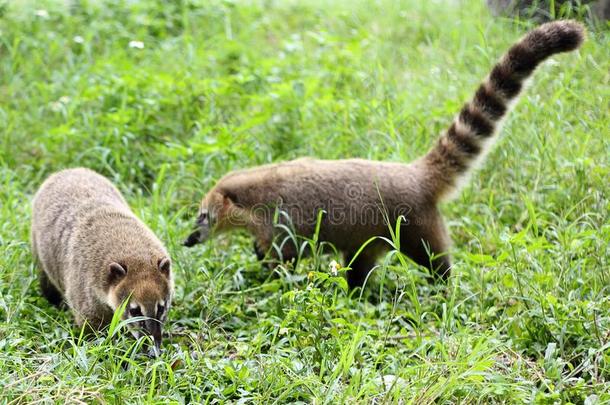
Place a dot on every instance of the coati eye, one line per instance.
(203, 218)
(136, 311)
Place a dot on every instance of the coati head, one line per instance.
(148, 288)
(202, 229)
(219, 211)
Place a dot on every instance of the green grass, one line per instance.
(221, 85)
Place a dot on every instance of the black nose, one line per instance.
(192, 239)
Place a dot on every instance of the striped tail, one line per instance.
(466, 139)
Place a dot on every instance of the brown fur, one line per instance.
(95, 253)
(363, 199)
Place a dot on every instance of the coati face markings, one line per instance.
(161, 313)
(148, 290)
(135, 310)
(203, 220)
(148, 319)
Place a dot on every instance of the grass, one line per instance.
(220, 85)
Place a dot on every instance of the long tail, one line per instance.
(466, 139)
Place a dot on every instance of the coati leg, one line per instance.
(50, 292)
(260, 253)
(264, 248)
(426, 242)
(360, 267)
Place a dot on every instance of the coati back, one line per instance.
(95, 253)
(363, 199)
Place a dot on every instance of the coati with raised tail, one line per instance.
(95, 253)
(362, 199)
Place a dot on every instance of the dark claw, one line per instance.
(260, 255)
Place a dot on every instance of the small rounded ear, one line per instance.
(116, 272)
(165, 265)
(229, 199)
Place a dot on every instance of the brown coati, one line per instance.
(95, 253)
(363, 199)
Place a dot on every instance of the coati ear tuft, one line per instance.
(165, 265)
(116, 272)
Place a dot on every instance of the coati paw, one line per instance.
(50, 292)
(260, 253)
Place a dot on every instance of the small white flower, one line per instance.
(60, 104)
(56, 106)
(78, 39)
(136, 44)
(42, 13)
(334, 267)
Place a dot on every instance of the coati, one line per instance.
(95, 253)
(362, 199)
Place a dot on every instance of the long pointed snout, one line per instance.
(193, 239)
(201, 232)
(154, 329)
